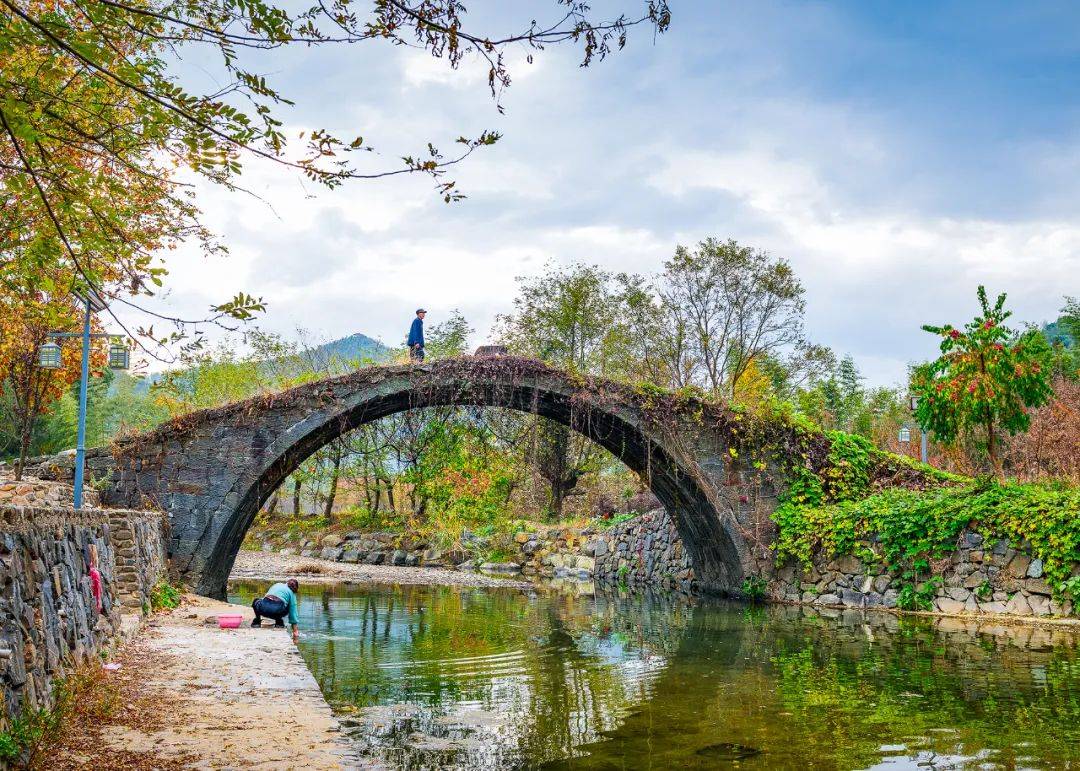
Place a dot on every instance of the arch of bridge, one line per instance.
(212, 470)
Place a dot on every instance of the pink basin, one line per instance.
(229, 620)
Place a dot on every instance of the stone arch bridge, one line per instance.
(212, 470)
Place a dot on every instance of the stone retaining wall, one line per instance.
(645, 552)
(979, 578)
(49, 621)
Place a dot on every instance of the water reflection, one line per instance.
(451, 677)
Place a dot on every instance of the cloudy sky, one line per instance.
(898, 154)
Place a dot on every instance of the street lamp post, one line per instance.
(924, 450)
(49, 358)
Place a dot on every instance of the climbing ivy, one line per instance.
(905, 529)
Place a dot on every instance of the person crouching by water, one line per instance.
(416, 336)
(279, 602)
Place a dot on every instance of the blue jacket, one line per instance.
(416, 333)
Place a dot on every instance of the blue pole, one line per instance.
(80, 444)
(923, 450)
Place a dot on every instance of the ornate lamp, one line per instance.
(905, 435)
(49, 355)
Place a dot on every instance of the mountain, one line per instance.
(355, 347)
(336, 356)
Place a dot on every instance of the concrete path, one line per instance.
(240, 698)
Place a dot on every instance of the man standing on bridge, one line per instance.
(279, 602)
(416, 337)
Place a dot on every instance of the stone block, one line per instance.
(596, 547)
(975, 580)
(1035, 569)
(1040, 605)
(1018, 566)
(852, 598)
(1037, 586)
(948, 605)
(958, 594)
(1018, 605)
(398, 557)
(331, 553)
(375, 558)
(331, 540)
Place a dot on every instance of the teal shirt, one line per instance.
(285, 594)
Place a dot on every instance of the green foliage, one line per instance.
(165, 596)
(754, 588)
(617, 519)
(917, 596)
(905, 528)
(26, 732)
(987, 376)
(465, 482)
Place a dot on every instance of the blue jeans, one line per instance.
(271, 607)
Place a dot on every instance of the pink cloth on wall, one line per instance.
(95, 585)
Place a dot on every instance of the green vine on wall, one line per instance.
(905, 529)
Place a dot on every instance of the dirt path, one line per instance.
(195, 696)
(270, 566)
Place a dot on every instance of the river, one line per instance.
(468, 678)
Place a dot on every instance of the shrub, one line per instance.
(165, 596)
(754, 588)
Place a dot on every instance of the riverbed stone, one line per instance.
(331, 540)
(375, 558)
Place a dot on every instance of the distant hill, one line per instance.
(336, 356)
(356, 347)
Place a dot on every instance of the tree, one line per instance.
(570, 317)
(449, 338)
(26, 389)
(95, 122)
(724, 307)
(987, 378)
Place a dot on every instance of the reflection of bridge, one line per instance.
(213, 469)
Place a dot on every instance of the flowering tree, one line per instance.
(986, 378)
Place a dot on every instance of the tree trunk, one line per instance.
(390, 495)
(335, 475)
(272, 504)
(296, 485)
